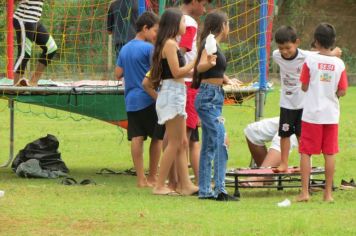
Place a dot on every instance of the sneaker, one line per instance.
(224, 197)
(347, 185)
(207, 198)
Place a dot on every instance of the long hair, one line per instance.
(168, 28)
(214, 24)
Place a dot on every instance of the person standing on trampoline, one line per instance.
(30, 30)
(209, 76)
(324, 80)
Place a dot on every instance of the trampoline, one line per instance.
(103, 100)
(289, 179)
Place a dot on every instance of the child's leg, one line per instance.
(329, 176)
(220, 155)
(175, 136)
(194, 152)
(305, 174)
(205, 166)
(185, 186)
(137, 158)
(49, 48)
(285, 147)
(155, 153)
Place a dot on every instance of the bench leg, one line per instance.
(237, 192)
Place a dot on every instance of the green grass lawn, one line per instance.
(116, 207)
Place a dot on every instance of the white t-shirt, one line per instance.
(291, 94)
(189, 41)
(261, 132)
(325, 75)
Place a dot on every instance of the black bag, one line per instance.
(45, 151)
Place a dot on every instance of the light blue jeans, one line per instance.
(208, 103)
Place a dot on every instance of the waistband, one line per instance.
(171, 83)
(211, 86)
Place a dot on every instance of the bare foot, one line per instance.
(191, 190)
(328, 199)
(22, 83)
(32, 84)
(144, 183)
(280, 169)
(164, 191)
(302, 198)
(151, 181)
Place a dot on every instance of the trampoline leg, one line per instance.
(279, 183)
(237, 192)
(12, 115)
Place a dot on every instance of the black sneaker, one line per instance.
(207, 198)
(224, 197)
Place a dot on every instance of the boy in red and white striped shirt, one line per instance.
(324, 80)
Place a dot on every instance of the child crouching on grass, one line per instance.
(324, 80)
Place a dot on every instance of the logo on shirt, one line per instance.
(325, 77)
(324, 66)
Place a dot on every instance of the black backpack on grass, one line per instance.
(45, 150)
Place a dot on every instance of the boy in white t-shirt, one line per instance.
(324, 80)
(290, 59)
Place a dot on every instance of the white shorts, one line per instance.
(171, 100)
(262, 131)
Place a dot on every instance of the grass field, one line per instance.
(116, 207)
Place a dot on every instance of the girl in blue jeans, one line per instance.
(209, 76)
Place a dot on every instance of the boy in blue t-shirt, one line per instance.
(133, 63)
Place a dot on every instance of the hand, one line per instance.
(236, 82)
(337, 52)
(212, 59)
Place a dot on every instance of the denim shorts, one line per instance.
(171, 100)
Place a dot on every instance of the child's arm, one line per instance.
(305, 77)
(337, 52)
(148, 87)
(187, 40)
(118, 72)
(170, 51)
(206, 62)
(226, 80)
(342, 86)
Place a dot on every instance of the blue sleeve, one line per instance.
(119, 60)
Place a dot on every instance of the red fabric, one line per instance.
(192, 119)
(319, 138)
(343, 81)
(187, 39)
(305, 75)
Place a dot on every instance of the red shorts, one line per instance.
(319, 138)
(192, 119)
